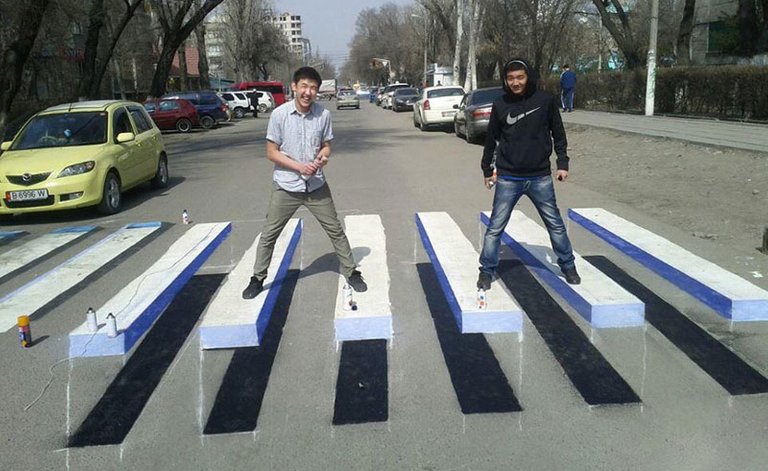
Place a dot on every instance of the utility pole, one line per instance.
(650, 87)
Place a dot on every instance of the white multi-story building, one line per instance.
(290, 25)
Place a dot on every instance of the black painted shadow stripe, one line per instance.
(240, 396)
(719, 362)
(591, 374)
(110, 421)
(362, 388)
(480, 384)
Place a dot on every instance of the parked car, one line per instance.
(211, 108)
(81, 154)
(173, 114)
(237, 101)
(436, 106)
(474, 111)
(266, 101)
(404, 98)
(379, 95)
(347, 98)
(389, 90)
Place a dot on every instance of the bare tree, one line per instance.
(16, 52)
(177, 21)
(622, 33)
(95, 64)
(202, 55)
(475, 27)
(459, 39)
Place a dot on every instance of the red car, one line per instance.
(173, 113)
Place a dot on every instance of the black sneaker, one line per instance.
(571, 276)
(484, 281)
(356, 281)
(254, 288)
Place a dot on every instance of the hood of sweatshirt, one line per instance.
(530, 87)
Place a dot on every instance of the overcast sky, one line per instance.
(330, 24)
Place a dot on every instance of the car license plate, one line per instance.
(448, 113)
(26, 195)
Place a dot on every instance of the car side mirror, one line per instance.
(455, 107)
(125, 137)
(5, 145)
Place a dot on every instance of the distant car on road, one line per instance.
(173, 114)
(389, 90)
(474, 112)
(347, 99)
(404, 98)
(81, 154)
(211, 108)
(436, 106)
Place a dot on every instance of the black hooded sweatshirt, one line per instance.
(521, 131)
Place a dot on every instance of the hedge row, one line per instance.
(725, 92)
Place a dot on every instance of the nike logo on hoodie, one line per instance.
(511, 120)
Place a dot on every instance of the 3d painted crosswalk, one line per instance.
(36, 294)
(598, 299)
(24, 255)
(728, 294)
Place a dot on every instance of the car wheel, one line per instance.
(262, 108)
(357, 107)
(415, 123)
(207, 122)
(239, 113)
(111, 198)
(456, 129)
(183, 125)
(160, 179)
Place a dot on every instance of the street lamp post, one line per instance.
(426, 43)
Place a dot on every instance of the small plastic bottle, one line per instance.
(111, 326)
(90, 318)
(482, 302)
(185, 217)
(346, 298)
(25, 334)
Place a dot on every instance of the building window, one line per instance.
(723, 36)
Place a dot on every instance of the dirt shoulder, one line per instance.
(713, 193)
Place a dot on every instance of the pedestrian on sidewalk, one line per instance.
(524, 123)
(253, 100)
(567, 88)
(299, 136)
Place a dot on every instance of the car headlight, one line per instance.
(77, 169)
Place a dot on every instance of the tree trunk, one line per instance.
(622, 37)
(459, 39)
(202, 64)
(183, 77)
(95, 23)
(471, 53)
(684, 36)
(748, 27)
(16, 55)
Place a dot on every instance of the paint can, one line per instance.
(25, 334)
(111, 326)
(482, 302)
(90, 319)
(346, 298)
(185, 217)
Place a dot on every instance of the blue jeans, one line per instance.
(566, 98)
(541, 191)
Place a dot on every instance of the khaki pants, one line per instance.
(282, 206)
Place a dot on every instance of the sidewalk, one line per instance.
(704, 131)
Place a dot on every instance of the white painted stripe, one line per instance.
(19, 257)
(231, 321)
(373, 317)
(136, 306)
(729, 294)
(458, 260)
(45, 288)
(599, 299)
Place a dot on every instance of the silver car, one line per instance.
(347, 98)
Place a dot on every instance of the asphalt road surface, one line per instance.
(560, 396)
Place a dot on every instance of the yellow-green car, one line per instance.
(81, 154)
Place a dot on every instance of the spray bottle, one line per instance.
(346, 297)
(90, 319)
(111, 326)
(25, 334)
(482, 302)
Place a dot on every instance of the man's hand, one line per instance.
(309, 168)
(490, 181)
(562, 175)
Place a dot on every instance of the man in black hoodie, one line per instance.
(524, 124)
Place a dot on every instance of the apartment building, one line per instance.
(290, 25)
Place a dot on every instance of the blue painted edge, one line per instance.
(229, 336)
(441, 277)
(368, 328)
(262, 320)
(145, 320)
(69, 230)
(720, 303)
(139, 225)
(479, 322)
(10, 234)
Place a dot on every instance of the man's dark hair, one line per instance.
(307, 73)
(566, 66)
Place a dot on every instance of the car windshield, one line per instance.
(406, 91)
(63, 130)
(441, 92)
(486, 96)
